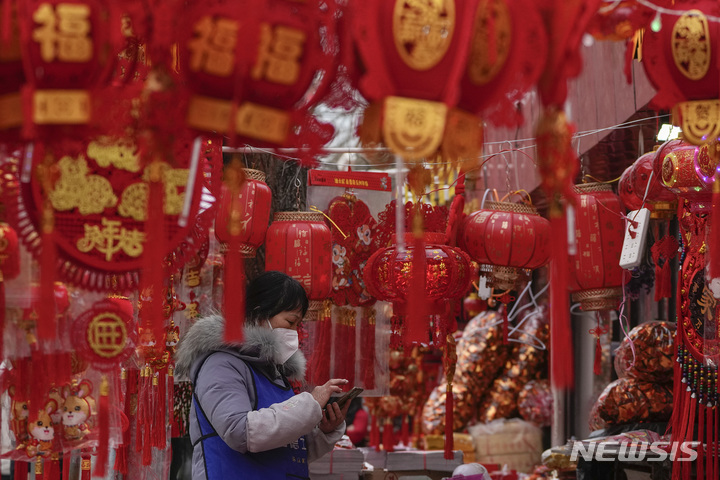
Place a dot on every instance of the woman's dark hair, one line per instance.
(272, 293)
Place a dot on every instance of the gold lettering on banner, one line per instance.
(209, 114)
(263, 123)
(279, 54)
(213, 46)
(61, 106)
(691, 47)
(110, 239)
(423, 31)
(10, 111)
(117, 155)
(76, 188)
(107, 335)
(481, 69)
(413, 128)
(63, 33)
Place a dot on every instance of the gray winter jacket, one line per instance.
(224, 389)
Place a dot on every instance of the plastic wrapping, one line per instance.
(627, 400)
(535, 403)
(654, 345)
(515, 443)
(527, 362)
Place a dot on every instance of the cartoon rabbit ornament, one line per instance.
(76, 410)
(41, 430)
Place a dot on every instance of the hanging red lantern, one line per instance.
(509, 236)
(681, 63)
(635, 192)
(620, 20)
(686, 170)
(448, 274)
(69, 50)
(255, 201)
(255, 70)
(595, 273)
(9, 253)
(298, 244)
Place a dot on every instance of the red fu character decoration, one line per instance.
(298, 244)
(253, 67)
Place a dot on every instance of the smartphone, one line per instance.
(341, 401)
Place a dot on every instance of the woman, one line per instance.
(245, 421)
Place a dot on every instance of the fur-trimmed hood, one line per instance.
(258, 348)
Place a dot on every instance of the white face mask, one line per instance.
(287, 343)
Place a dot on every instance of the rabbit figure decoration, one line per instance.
(41, 430)
(76, 410)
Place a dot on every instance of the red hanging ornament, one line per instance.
(640, 187)
(298, 244)
(595, 274)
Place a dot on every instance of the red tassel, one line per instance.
(46, 328)
(174, 426)
(701, 438)
(67, 461)
(160, 424)
(374, 439)
(687, 466)
(85, 466)
(21, 470)
(368, 351)
(150, 408)
(388, 436)
(405, 431)
(416, 324)
(104, 429)
(350, 355)
(121, 459)
(320, 359)
(561, 353)
(234, 301)
(715, 230)
(505, 325)
(142, 401)
(597, 366)
(52, 468)
(152, 275)
(449, 422)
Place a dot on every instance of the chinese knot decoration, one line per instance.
(595, 274)
(298, 244)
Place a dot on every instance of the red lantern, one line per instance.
(620, 20)
(253, 69)
(447, 274)
(635, 192)
(298, 244)
(509, 236)
(681, 62)
(9, 253)
(255, 200)
(595, 273)
(69, 49)
(686, 170)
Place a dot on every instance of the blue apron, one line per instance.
(224, 463)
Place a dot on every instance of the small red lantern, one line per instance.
(255, 200)
(509, 236)
(298, 244)
(595, 272)
(69, 49)
(686, 170)
(448, 274)
(680, 61)
(635, 192)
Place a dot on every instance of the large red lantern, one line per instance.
(686, 170)
(255, 69)
(681, 62)
(595, 273)
(69, 50)
(509, 236)
(255, 200)
(447, 274)
(635, 192)
(298, 244)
